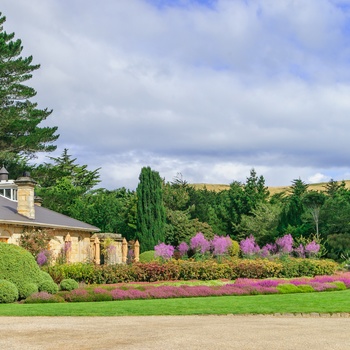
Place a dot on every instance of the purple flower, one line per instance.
(285, 243)
(312, 248)
(220, 245)
(249, 246)
(183, 248)
(199, 243)
(300, 251)
(164, 251)
(42, 258)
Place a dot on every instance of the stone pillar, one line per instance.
(97, 251)
(68, 248)
(137, 251)
(124, 251)
(25, 196)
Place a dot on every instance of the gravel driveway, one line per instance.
(176, 332)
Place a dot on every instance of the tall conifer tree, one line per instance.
(20, 133)
(150, 209)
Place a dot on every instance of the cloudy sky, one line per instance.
(206, 88)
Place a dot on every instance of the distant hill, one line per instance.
(273, 190)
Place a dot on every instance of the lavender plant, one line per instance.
(249, 247)
(164, 251)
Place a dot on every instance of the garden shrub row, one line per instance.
(191, 270)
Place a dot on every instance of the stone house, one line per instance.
(21, 211)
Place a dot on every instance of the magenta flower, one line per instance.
(199, 243)
(183, 248)
(248, 246)
(164, 251)
(312, 248)
(41, 259)
(285, 243)
(300, 251)
(220, 245)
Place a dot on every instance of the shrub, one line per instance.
(287, 288)
(48, 286)
(43, 297)
(8, 292)
(234, 249)
(147, 256)
(69, 284)
(45, 276)
(164, 251)
(27, 289)
(305, 288)
(18, 266)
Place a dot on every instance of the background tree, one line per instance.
(150, 209)
(62, 182)
(291, 219)
(313, 201)
(20, 133)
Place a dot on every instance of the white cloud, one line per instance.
(208, 91)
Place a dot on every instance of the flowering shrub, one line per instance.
(285, 244)
(220, 245)
(164, 251)
(183, 249)
(200, 244)
(312, 248)
(249, 247)
(43, 297)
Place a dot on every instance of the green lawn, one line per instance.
(323, 302)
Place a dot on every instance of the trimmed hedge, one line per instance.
(8, 292)
(18, 266)
(191, 270)
(69, 284)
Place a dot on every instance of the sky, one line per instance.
(206, 88)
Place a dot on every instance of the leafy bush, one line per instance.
(189, 270)
(45, 276)
(27, 289)
(8, 292)
(18, 266)
(69, 284)
(288, 288)
(147, 256)
(307, 267)
(48, 286)
(234, 249)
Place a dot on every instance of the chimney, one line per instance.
(4, 175)
(25, 196)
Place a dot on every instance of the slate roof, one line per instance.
(43, 218)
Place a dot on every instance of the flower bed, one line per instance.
(242, 286)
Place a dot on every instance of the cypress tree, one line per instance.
(150, 209)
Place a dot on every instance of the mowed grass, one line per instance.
(322, 302)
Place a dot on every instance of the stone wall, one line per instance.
(77, 246)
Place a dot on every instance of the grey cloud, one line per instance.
(206, 91)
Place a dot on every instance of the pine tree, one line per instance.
(20, 133)
(150, 209)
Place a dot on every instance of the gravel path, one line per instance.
(177, 332)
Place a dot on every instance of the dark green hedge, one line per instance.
(188, 270)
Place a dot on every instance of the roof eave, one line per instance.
(39, 224)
